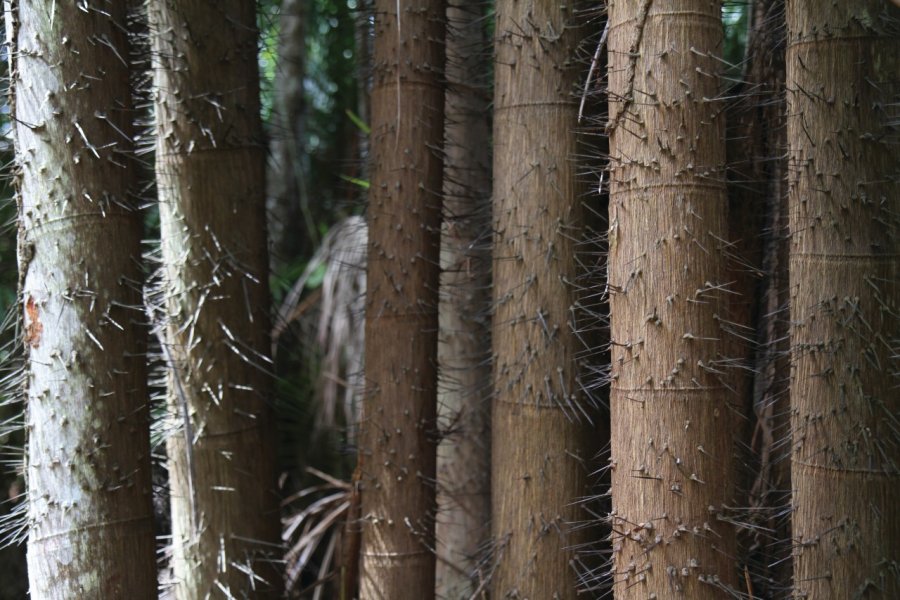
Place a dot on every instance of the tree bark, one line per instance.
(464, 455)
(210, 165)
(671, 402)
(287, 192)
(843, 61)
(540, 434)
(757, 163)
(88, 449)
(399, 430)
(755, 128)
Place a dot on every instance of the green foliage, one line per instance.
(356, 181)
(332, 88)
(736, 19)
(268, 55)
(332, 127)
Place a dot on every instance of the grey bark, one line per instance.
(88, 450)
(463, 523)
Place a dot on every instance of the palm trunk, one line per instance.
(399, 430)
(287, 194)
(758, 228)
(210, 172)
(758, 217)
(671, 399)
(843, 62)
(464, 457)
(540, 437)
(88, 451)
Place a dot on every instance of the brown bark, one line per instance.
(758, 229)
(540, 437)
(210, 168)
(88, 450)
(672, 395)
(464, 509)
(843, 83)
(399, 429)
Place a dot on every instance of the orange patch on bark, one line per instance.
(33, 326)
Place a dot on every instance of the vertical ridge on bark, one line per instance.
(672, 393)
(87, 419)
(540, 418)
(463, 524)
(843, 83)
(398, 434)
(210, 165)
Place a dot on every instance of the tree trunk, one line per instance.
(287, 192)
(210, 171)
(88, 451)
(671, 402)
(843, 61)
(758, 228)
(363, 41)
(540, 439)
(464, 458)
(399, 429)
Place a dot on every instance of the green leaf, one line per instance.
(357, 120)
(360, 182)
(316, 277)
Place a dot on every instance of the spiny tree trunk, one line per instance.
(843, 82)
(758, 228)
(540, 435)
(671, 401)
(464, 458)
(210, 171)
(88, 452)
(399, 430)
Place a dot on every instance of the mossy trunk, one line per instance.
(540, 435)
(672, 393)
(398, 435)
(843, 82)
(464, 454)
(88, 449)
(210, 167)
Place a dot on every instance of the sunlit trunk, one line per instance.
(88, 451)
(210, 167)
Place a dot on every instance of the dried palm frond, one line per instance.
(316, 526)
(341, 261)
(317, 513)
